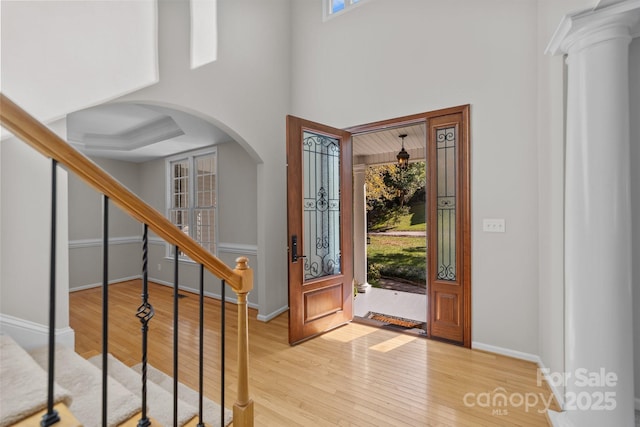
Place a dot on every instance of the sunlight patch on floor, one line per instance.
(348, 333)
(393, 343)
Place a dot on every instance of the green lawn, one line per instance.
(413, 221)
(399, 257)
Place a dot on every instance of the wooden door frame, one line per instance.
(465, 177)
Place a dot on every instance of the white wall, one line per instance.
(389, 59)
(50, 71)
(85, 230)
(26, 229)
(634, 75)
(246, 93)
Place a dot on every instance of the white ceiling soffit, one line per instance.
(139, 133)
(382, 146)
(54, 53)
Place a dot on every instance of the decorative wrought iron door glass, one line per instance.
(446, 139)
(321, 219)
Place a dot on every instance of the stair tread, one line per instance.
(84, 381)
(159, 400)
(66, 418)
(210, 408)
(22, 380)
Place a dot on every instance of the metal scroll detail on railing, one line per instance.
(145, 313)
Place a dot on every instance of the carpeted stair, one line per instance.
(211, 409)
(84, 381)
(23, 380)
(23, 383)
(160, 394)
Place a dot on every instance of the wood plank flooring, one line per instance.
(356, 375)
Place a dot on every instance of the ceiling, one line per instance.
(139, 132)
(382, 146)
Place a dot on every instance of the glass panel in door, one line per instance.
(321, 204)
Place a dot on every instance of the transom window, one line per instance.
(191, 198)
(334, 7)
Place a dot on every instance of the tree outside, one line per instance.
(395, 211)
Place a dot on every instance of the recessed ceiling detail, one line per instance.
(139, 133)
(160, 129)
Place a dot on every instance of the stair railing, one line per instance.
(41, 138)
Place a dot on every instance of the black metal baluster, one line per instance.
(223, 308)
(145, 313)
(201, 354)
(175, 336)
(52, 417)
(105, 304)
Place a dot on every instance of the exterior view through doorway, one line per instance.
(390, 269)
(327, 225)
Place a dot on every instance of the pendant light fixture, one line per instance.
(403, 156)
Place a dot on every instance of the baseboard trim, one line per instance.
(559, 419)
(97, 285)
(556, 392)
(32, 335)
(273, 314)
(505, 351)
(523, 356)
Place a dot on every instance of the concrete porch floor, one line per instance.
(391, 302)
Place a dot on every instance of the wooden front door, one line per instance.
(319, 205)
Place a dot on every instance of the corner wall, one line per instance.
(634, 83)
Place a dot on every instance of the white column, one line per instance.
(360, 228)
(598, 316)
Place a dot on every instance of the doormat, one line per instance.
(394, 320)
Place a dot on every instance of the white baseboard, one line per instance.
(556, 392)
(273, 314)
(505, 351)
(97, 285)
(559, 419)
(523, 356)
(32, 335)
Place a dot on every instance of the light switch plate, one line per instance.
(493, 225)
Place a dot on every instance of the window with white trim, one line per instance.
(192, 195)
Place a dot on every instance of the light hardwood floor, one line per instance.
(356, 375)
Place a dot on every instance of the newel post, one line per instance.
(243, 408)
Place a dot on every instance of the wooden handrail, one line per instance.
(38, 136)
